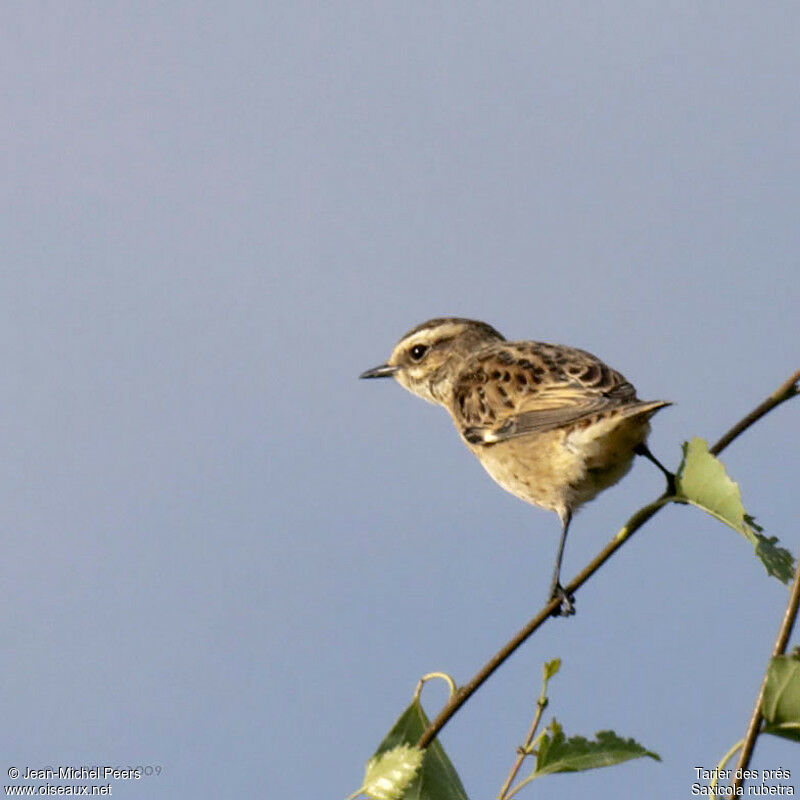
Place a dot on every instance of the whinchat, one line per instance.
(551, 424)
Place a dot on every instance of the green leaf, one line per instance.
(781, 705)
(703, 482)
(558, 754)
(550, 668)
(437, 779)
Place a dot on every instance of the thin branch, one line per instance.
(786, 390)
(521, 752)
(778, 649)
(468, 689)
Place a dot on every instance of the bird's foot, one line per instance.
(567, 605)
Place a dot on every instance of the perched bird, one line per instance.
(551, 424)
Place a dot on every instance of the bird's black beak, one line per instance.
(383, 371)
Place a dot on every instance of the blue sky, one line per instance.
(225, 555)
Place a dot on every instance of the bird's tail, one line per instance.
(644, 408)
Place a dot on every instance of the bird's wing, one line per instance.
(518, 388)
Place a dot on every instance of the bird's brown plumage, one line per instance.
(511, 389)
(551, 424)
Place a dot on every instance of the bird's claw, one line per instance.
(567, 606)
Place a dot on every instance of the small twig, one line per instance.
(541, 704)
(521, 753)
(778, 649)
(786, 390)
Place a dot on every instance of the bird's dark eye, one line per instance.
(418, 351)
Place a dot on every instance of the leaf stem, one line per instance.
(723, 761)
(522, 783)
(779, 648)
(451, 684)
(786, 390)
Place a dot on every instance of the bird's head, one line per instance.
(428, 358)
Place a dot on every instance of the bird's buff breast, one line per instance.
(563, 468)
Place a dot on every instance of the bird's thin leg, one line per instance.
(567, 606)
(643, 450)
